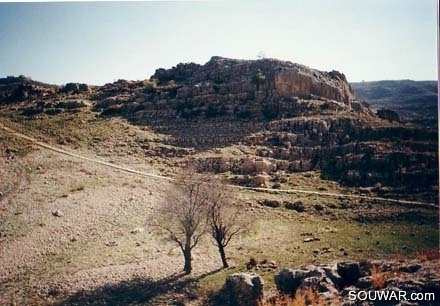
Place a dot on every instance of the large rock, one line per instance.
(349, 271)
(288, 280)
(75, 88)
(263, 166)
(247, 166)
(260, 180)
(244, 289)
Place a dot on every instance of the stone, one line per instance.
(332, 273)
(263, 166)
(311, 239)
(136, 230)
(349, 271)
(57, 213)
(75, 88)
(410, 268)
(111, 243)
(365, 282)
(288, 281)
(260, 181)
(244, 289)
(247, 166)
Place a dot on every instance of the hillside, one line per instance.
(414, 101)
(324, 178)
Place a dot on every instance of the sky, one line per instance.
(101, 42)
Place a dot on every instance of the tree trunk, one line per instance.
(221, 249)
(187, 255)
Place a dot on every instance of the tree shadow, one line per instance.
(136, 291)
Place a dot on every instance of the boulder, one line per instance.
(260, 181)
(349, 271)
(288, 280)
(57, 213)
(75, 88)
(247, 166)
(263, 166)
(244, 289)
(410, 268)
(365, 282)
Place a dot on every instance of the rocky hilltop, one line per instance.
(225, 100)
(244, 89)
(276, 79)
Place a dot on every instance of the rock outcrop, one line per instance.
(244, 289)
(75, 88)
(277, 79)
(236, 89)
(337, 284)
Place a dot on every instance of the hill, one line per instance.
(414, 101)
(324, 178)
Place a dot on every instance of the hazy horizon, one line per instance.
(101, 42)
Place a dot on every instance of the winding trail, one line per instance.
(151, 175)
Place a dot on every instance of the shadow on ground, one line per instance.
(138, 291)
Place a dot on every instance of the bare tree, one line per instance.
(183, 215)
(194, 205)
(223, 217)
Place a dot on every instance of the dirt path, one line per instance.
(132, 171)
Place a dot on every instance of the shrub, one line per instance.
(270, 203)
(303, 297)
(298, 206)
(380, 277)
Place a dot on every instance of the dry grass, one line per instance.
(380, 277)
(428, 255)
(303, 297)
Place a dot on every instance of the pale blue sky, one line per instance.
(101, 42)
